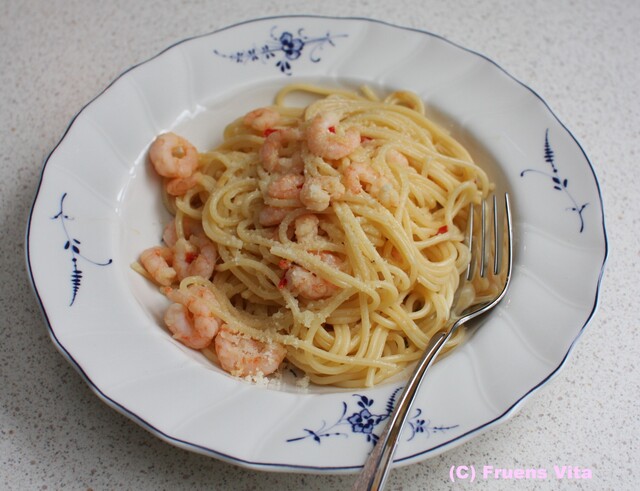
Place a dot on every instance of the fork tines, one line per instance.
(492, 240)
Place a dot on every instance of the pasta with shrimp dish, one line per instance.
(330, 237)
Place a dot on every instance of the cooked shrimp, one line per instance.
(196, 256)
(262, 119)
(279, 152)
(197, 298)
(327, 141)
(397, 158)
(272, 215)
(243, 356)
(191, 319)
(379, 186)
(317, 192)
(194, 332)
(173, 156)
(331, 259)
(178, 186)
(306, 227)
(287, 186)
(302, 282)
(156, 260)
(189, 228)
(358, 173)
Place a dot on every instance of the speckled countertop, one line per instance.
(581, 57)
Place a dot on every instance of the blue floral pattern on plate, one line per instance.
(73, 246)
(363, 421)
(559, 184)
(285, 48)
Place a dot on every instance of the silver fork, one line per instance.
(376, 468)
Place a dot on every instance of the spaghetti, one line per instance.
(331, 234)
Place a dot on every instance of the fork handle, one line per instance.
(376, 468)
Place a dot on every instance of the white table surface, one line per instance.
(581, 57)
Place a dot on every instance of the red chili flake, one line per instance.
(332, 129)
(282, 283)
(443, 230)
(268, 131)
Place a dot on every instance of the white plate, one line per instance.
(98, 206)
